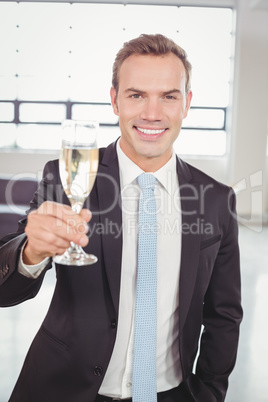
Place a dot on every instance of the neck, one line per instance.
(148, 163)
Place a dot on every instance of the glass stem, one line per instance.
(77, 207)
(74, 248)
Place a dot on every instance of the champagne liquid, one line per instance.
(78, 169)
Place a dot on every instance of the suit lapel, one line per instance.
(104, 203)
(189, 193)
(109, 199)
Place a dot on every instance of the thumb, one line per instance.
(86, 215)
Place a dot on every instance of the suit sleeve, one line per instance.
(15, 287)
(222, 313)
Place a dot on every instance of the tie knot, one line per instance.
(146, 181)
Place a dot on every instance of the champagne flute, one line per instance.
(78, 165)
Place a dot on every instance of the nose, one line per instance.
(152, 110)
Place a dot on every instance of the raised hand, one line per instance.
(51, 228)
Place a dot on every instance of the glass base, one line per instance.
(75, 256)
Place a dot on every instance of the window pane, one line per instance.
(6, 111)
(8, 133)
(43, 88)
(107, 135)
(44, 39)
(149, 19)
(102, 113)
(86, 90)
(8, 87)
(194, 142)
(43, 51)
(34, 136)
(205, 118)
(34, 112)
(92, 59)
(9, 38)
(206, 34)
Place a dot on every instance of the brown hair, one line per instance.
(157, 45)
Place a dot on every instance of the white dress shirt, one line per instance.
(31, 271)
(118, 378)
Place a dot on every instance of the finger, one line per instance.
(38, 248)
(86, 215)
(66, 214)
(51, 229)
(43, 243)
(60, 211)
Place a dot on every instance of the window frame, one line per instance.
(229, 4)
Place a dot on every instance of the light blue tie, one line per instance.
(144, 387)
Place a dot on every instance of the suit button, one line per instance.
(113, 324)
(4, 271)
(98, 370)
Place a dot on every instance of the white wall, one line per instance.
(248, 157)
(246, 163)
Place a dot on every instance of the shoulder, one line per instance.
(50, 173)
(108, 154)
(193, 175)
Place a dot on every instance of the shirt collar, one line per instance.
(167, 175)
(129, 171)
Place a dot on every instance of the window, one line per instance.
(58, 64)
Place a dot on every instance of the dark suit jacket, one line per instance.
(70, 353)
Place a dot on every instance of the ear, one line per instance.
(113, 95)
(188, 103)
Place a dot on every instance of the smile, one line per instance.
(150, 132)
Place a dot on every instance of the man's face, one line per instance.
(151, 103)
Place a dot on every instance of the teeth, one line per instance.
(146, 131)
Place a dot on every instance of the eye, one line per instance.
(135, 96)
(170, 97)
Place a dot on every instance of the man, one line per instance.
(83, 351)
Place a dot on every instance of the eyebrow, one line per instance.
(134, 90)
(171, 91)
